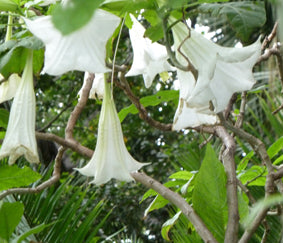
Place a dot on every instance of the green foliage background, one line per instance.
(73, 211)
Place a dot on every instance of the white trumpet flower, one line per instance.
(82, 50)
(222, 71)
(111, 158)
(97, 89)
(8, 88)
(149, 58)
(20, 135)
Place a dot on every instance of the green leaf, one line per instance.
(275, 148)
(8, 5)
(34, 230)
(154, 33)
(10, 216)
(120, 7)
(168, 225)
(13, 55)
(13, 176)
(152, 100)
(278, 160)
(254, 176)
(4, 118)
(74, 15)
(209, 195)
(157, 203)
(183, 175)
(245, 17)
(148, 194)
(244, 162)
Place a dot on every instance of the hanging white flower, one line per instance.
(82, 50)
(20, 135)
(111, 158)
(9, 87)
(97, 88)
(149, 58)
(222, 71)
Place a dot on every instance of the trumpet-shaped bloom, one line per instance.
(20, 135)
(97, 89)
(8, 88)
(149, 58)
(222, 71)
(111, 158)
(82, 50)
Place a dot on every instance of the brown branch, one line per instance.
(271, 180)
(78, 108)
(246, 191)
(52, 180)
(230, 106)
(178, 201)
(277, 110)
(123, 84)
(240, 118)
(275, 50)
(71, 144)
(270, 37)
(231, 234)
(266, 231)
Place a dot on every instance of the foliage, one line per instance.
(188, 162)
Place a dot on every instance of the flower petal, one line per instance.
(97, 89)
(149, 58)
(222, 71)
(20, 135)
(82, 50)
(8, 88)
(111, 158)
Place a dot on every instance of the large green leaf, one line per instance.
(209, 195)
(10, 216)
(245, 17)
(74, 15)
(152, 100)
(13, 55)
(13, 176)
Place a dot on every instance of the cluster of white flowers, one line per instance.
(220, 72)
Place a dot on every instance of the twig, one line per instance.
(74, 145)
(123, 84)
(78, 108)
(230, 106)
(277, 110)
(246, 191)
(54, 118)
(258, 176)
(179, 201)
(240, 118)
(271, 180)
(168, 47)
(275, 50)
(231, 234)
(55, 177)
(270, 37)
(266, 231)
